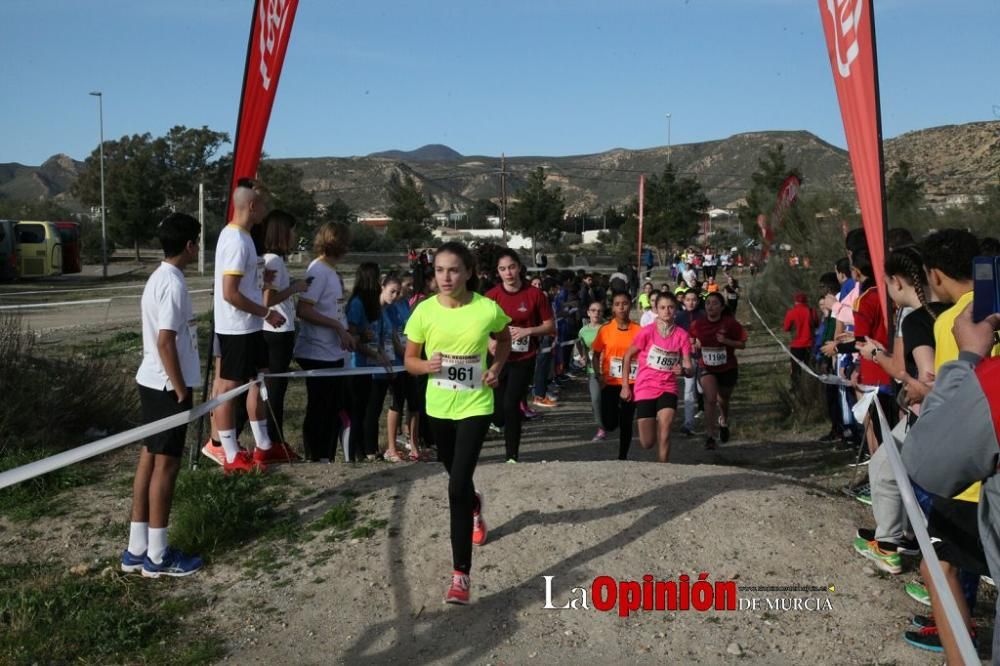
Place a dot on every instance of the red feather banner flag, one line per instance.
(787, 195)
(850, 40)
(270, 30)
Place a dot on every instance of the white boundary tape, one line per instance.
(80, 453)
(834, 380)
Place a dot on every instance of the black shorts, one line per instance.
(159, 404)
(725, 378)
(647, 409)
(956, 523)
(242, 355)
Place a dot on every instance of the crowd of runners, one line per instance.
(462, 349)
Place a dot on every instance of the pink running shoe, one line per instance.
(528, 412)
(458, 592)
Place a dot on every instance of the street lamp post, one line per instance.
(104, 226)
(668, 138)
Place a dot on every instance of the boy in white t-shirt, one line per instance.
(168, 371)
(239, 319)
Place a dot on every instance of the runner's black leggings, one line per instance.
(507, 396)
(617, 413)
(458, 445)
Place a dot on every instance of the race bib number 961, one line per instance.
(459, 373)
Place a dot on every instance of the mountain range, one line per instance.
(953, 161)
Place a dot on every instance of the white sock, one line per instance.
(229, 444)
(157, 544)
(137, 539)
(260, 435)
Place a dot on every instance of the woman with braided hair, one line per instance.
(911, 365)
(911, 362)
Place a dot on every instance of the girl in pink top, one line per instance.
(664, 352)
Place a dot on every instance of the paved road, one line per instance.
(60, 306)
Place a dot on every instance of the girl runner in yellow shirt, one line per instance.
(453, 328)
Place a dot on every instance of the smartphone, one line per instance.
(986, 287)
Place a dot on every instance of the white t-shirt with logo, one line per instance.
(273, 262)
(166, 306)
(235, 255)
(326, 293)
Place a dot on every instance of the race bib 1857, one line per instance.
(660, 359)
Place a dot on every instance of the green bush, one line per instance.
(49, 402)
(213, 513)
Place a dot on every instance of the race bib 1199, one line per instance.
(714, 356)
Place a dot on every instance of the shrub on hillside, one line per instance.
(50, 403)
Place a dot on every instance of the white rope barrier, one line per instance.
(117, 441)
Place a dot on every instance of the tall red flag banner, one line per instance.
(787, 195)
(270, 30)
(642, 205)
(850, 41)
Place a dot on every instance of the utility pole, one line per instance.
(503, 195)
(104, 225)
(668, 138)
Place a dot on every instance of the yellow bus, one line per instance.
(40, 248)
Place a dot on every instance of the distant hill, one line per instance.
(51, 180)
(434, 152)
(951, 160)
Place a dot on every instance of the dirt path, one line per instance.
(571, 512)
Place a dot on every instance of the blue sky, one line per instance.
(525, 77)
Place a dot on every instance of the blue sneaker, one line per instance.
(132, 563)
(175, 563)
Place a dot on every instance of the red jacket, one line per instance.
(869, 322)
(803, 319)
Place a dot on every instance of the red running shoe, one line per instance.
(478, 522)
(278, 453)
(458, 592)
(214, 452)
(243, 463)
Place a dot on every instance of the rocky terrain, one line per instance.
(956, 162)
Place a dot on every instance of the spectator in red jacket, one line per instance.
(801, 319)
